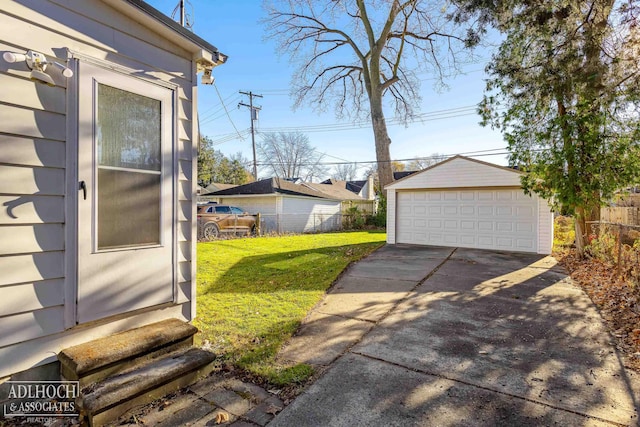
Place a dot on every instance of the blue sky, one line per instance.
(254, 65)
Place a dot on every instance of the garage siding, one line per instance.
(391, 217)
(304, 215)
(459, 172)
(545, 226)
(266, 206)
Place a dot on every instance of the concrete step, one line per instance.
(106, 400)
(96, 360)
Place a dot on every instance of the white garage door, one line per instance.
(487, 219)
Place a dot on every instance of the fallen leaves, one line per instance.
(618, 302)
(222, 417)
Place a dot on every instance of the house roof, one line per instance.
(353, 186)
(152, 18)
(402, 174)
(216, 186)
(283, 186)
(335, 191)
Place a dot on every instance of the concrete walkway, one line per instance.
(459, 337)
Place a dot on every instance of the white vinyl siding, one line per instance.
(283, 213)
(459, 172)
(303, 215)
(33, 147)
(545, 227)
(391, 217)
(265, 205)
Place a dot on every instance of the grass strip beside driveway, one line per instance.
(253, 293)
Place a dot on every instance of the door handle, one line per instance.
(83, 187)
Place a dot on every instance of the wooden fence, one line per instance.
(621, 215)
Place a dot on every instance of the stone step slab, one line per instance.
(108, 399)
(95, 360)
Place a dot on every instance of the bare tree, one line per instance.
(290, 155)
(355, 55)
(420, 163)
(345, 172)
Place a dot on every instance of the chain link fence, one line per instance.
(619, 245)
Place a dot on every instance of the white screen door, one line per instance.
(125, 203)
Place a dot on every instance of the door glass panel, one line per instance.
(128, 132)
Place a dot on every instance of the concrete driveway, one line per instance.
(458, 337)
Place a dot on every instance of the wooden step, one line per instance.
(108, 399)
(95, 360)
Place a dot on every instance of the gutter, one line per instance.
(204, 53)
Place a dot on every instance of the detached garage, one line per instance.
(463, 202)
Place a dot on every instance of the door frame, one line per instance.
(72, 194)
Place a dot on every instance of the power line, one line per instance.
(480, 153)
(226, 111)
(332, 127)
(210, 111)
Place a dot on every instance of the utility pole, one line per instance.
(253, 111)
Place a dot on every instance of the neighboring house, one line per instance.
(289, 207)
(97, 229)
(211, 188)
(463, 202)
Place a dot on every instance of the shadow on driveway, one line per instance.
(488, 338)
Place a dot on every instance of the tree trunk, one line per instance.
(584, 226)
(580, 229)
(382, 140)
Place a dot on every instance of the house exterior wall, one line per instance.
(37, 146)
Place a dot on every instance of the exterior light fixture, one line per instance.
(38, 64)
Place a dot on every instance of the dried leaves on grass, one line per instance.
(617, 300)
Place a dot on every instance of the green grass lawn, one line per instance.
(254, 292)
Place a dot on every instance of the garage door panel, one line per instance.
(485, 211)
(450, 210)
(419, 210)
(504, 243)
(504, 226)
(504, 195)
(504, 211)
(485, 225)
(467, 225)
(525, 244)
(435, 210)
(525, 227)
(450, 239)
(450, 224)
(525, 211)
(468, 210)
(488, 219)
(435, 224)
(465, 239)
(485, 241)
